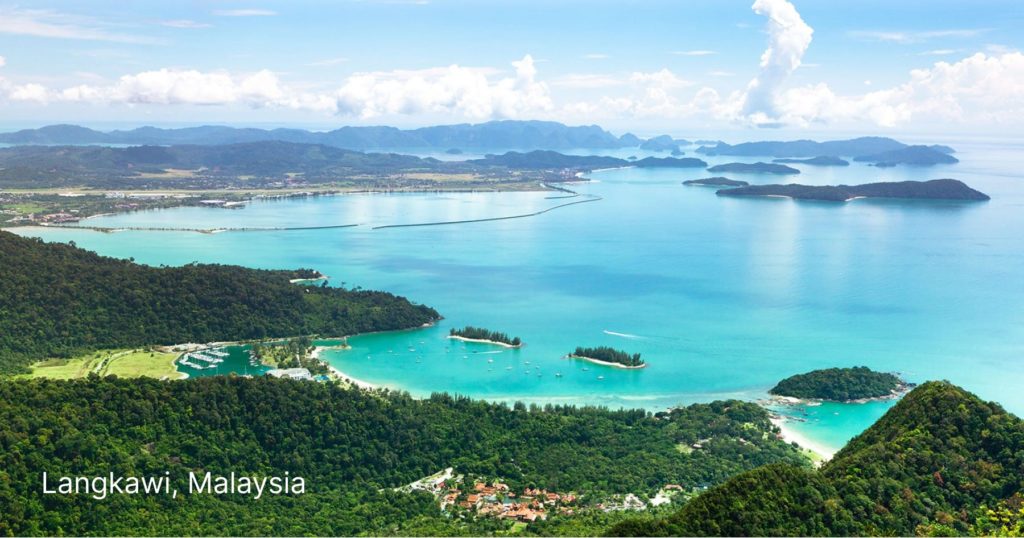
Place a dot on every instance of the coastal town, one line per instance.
(458, 496)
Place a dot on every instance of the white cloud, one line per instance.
(788, 39)
(185, 24)
(54, 24)
(978, 88)
(938, 52)
(663, 79)
(906, 37)
(28, 92)
(693, 52)
(587, 81)
(455, 90)
(177, 87)
(3, 61)
(595, 56)
(244, 13)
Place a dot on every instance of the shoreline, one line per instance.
(484, 341)
(792, 436)
(607, 363)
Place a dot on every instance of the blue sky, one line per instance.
(646, 66)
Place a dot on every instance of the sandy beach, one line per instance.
(607, 363)
(792, 436)
(482, 341)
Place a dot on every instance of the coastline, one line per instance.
(607, 363)
(819, 452)
(484, 341)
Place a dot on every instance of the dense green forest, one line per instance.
(839, 384)
(477, 333)
(350, 446)
(941, 462)
(57, 300)
(609, 354)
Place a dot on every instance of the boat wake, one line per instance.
(624, 335)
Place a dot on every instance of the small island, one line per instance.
(754, 168)
(936, 189)
(821, 160)
(453, 151)
(717, 181)
(859, 383)
(607, 356)
(477, 334)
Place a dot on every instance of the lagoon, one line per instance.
(722, 296)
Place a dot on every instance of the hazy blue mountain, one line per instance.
(660, 143)
(494, 134)
(911, 155)
(536, 160)
(867, 145)
(936, 189)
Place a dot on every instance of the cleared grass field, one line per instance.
(119, 362)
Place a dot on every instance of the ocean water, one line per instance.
(722, 296)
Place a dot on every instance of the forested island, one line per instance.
(609, 356)
(821, 160)
(754, 168)
(717, 181)
(941, 462)
(477, 334)
(910, 155)
(841, 385)
(936, 189)
(61, 301)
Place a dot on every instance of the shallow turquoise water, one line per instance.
(722, 296)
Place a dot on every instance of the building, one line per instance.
(291, 373)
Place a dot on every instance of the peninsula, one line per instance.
(841, 385)
(936, 189)
(754, 168)
(609, 357)
(477, 334)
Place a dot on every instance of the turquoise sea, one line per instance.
(722, 296)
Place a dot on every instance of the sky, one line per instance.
(755, 69)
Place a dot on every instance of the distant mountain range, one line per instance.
(491, 135)
(856, 147)
(536, 160)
